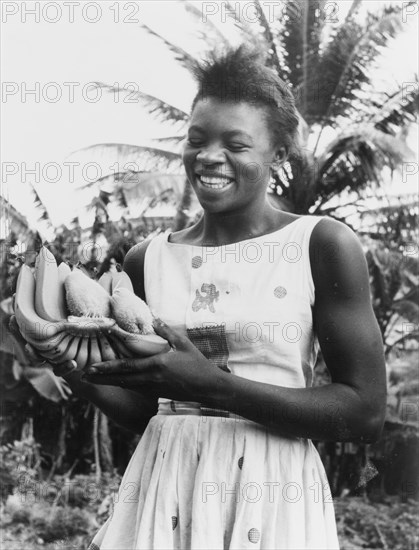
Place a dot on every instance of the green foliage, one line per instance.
(59, 523)
(44, 523)
(394, 283)
(64, 510)
(366, 126)
(20, 459)
(389, 525)
(353, 127)
(34, 524)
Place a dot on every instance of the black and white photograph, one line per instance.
(209, 275)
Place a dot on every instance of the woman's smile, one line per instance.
(215, 182)
(227, 154)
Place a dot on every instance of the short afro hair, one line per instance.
(240, 75)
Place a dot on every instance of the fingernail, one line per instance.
(91, 370)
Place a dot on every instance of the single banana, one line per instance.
(82, 356)
(29, 322)
(49, 293)
(85, 297)
(58, 354)
(86, 326)
(49, 343)
(63, 270)
(120, 348)
(131, 312)
(106, 281)
(72, 350)
(138, 344)
(106, 350)
(121, 279)
(95, 355)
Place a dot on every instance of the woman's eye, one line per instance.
(194, 142)
(237, 146)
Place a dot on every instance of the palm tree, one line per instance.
(351, 129)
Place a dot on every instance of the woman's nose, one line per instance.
(210, 155)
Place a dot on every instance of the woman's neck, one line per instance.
(229, 227)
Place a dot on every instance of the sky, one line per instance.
(58, 51)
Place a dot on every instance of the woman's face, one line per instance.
(228, 153)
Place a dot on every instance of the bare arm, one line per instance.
(130, 409)
(352, 407)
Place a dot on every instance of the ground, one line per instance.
(67, 519)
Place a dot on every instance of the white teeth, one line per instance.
(214, 182)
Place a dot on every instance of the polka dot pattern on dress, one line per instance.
(280, 292)
(174, 522)
(253, 535)
(196, 262)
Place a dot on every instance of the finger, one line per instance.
(63, 369)
(174, 337)
(122, 380)
(127, 365)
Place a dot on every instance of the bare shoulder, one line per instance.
(337, 260)
(134, 266)
(136, 253)
(330, 233)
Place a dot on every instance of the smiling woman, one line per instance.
(224, 164)
(245, 297)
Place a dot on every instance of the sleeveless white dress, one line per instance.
(206, 479)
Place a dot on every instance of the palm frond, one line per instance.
(301, 191)
(141, 195)
(123, 158)
(345, 65)
(97, 203)
(273, 58)
(212, 32)
(353, 10)
(355, 160)
(300, 40)
(187, 60)
(120, 197)
(40, 207)
(158, 108)
(398, 109)
(251, 32)
(394, 223)
(326, 211)
(172, 140)
(110, 180)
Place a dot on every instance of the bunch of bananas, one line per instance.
(64, 315)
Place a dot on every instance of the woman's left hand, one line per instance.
(183, 373)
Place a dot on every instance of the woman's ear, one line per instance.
(280, 157)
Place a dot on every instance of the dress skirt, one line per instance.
(208, 482)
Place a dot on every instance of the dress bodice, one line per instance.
(247, 306)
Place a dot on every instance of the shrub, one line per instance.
(59, 523)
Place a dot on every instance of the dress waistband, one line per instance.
(170, 407)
